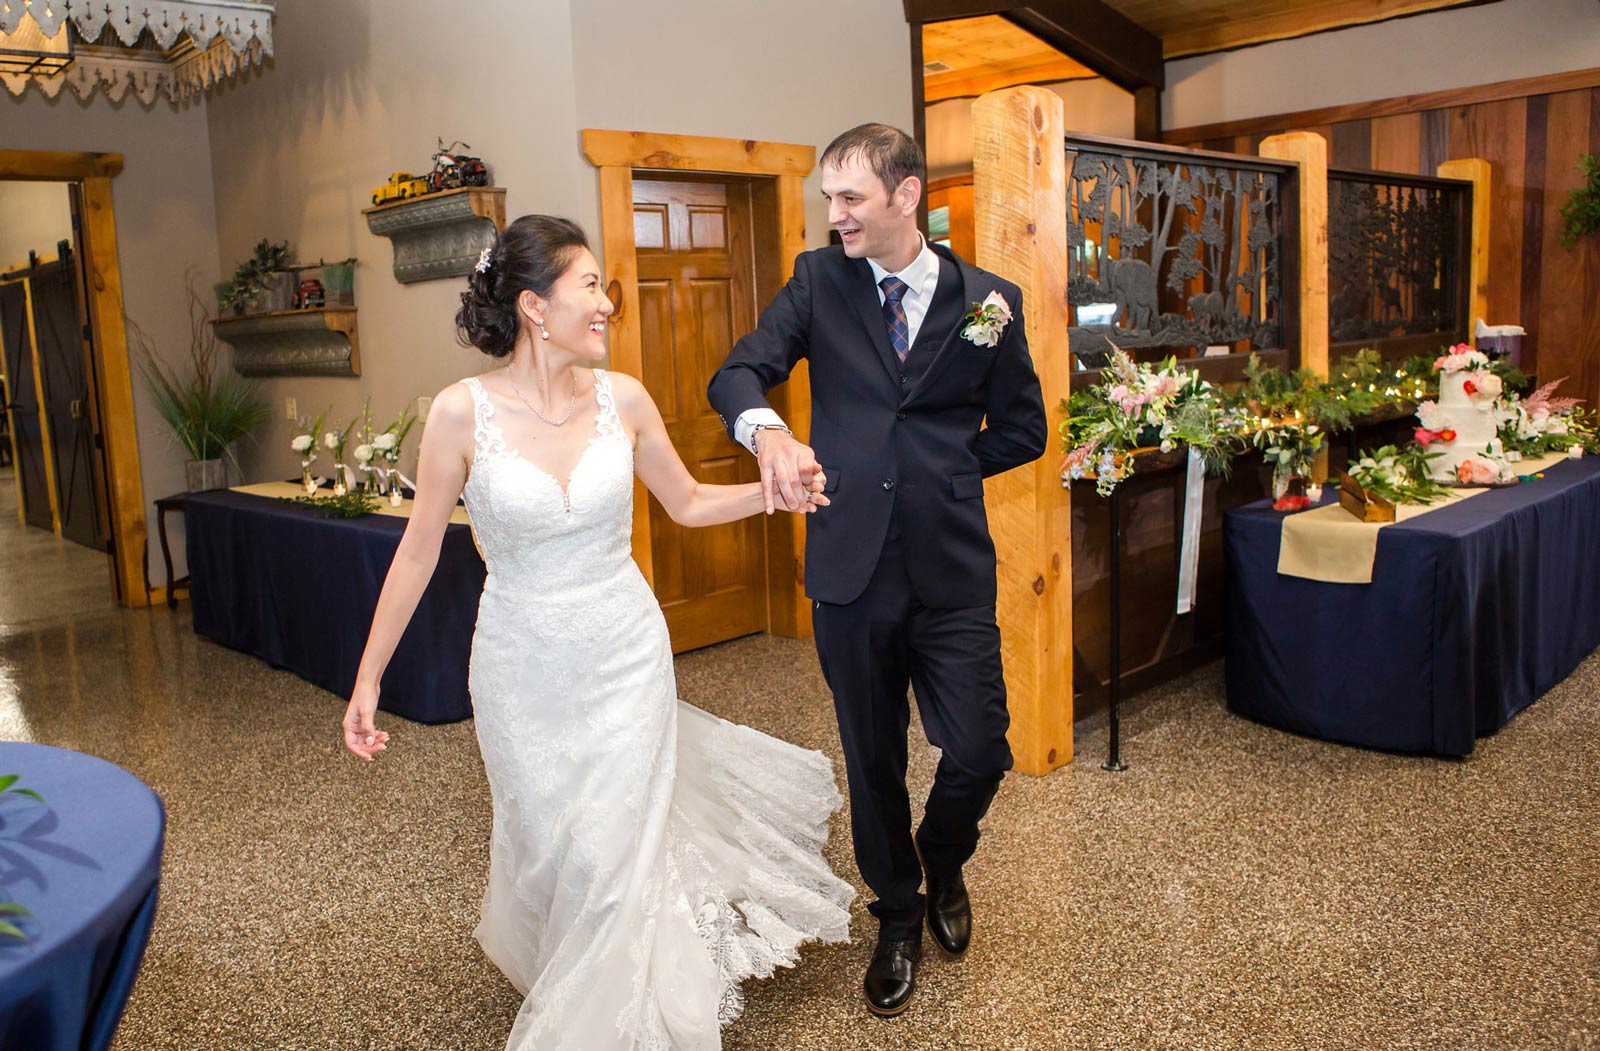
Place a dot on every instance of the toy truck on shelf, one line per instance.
(401, 185)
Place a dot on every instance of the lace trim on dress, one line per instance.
(487, 437)
(607, 424)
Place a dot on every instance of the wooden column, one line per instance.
(1019, 202)
(1477, 172)
(1310, 151)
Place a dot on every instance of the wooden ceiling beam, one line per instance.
(1089, 31)
(1245, 30)
(942, 87)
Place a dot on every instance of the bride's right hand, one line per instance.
(363, 738)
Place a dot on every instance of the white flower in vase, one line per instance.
(301, 443)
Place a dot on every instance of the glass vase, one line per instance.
(340, 485)
(307, 482)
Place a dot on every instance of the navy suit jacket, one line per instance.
(903, 444)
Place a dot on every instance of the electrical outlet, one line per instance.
(290, 411)
(424, 403)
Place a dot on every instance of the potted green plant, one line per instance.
(260, 283)
(207, 412)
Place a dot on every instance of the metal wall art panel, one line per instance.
(1171, 250)
(1395, 252)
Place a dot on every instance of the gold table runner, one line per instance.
(1331, 545)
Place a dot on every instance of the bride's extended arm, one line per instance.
(688, 502)
(441, 473)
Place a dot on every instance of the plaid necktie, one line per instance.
(894, 315)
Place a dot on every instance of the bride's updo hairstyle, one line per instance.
(531, 253)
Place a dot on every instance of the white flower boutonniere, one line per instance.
(986, 321)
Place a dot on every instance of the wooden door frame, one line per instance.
(778, 171)
(118, 435)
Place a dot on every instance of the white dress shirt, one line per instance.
(921, 278)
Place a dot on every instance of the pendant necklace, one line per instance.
(571, 405)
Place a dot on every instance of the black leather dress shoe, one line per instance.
(892, 975)
(949, 914)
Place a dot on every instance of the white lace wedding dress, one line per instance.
(646, 856)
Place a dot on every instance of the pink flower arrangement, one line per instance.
(1461, 356)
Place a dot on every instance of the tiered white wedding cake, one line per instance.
(1462, 425)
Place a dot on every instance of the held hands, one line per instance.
(791, 478)
(360, 735)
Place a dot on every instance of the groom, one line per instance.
(915, 400)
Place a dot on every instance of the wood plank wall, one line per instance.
(1534, 143)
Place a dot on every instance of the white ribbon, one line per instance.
(1193, 507)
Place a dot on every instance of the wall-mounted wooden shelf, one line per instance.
(440, 234)
(320, 341)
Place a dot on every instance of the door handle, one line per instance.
(76, 408)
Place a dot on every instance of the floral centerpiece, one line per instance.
(1400, 476)
(1138, 405)
(1542, 423)
(334, 441)
(387, 446)
(1289, 446)
(305, 443)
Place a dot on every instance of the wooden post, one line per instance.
(1310, 151)
(1477, 172)
(1020, 205)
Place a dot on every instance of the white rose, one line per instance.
(301, 444)
(984, 334)
(363, 453)
(1488, 384)
(331, 440)
(1433, 419)
(385, 441)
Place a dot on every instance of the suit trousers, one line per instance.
(870, 650)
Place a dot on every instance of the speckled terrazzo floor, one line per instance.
(1236, 888)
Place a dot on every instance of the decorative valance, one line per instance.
(171, 48)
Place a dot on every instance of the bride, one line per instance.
(646, 856)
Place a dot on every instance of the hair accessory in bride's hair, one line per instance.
(483, 261)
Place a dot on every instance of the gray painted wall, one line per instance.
(166, 221)
(1508, 40)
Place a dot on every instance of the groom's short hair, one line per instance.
(892, 155)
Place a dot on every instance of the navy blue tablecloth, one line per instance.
(1474, 611)
(86, 863)
(298, 590)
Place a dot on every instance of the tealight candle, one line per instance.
(1575, 452)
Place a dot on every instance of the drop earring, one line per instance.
(544, 333)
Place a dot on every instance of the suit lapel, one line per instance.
(973, 290)
(854, 280)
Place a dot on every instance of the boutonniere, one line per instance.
(986, 321)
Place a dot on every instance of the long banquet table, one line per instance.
(1474, 611)
(298, 590)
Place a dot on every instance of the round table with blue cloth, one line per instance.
(86, 863)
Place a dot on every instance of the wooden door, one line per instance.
(27, 421)
(68, 397)
(696, 260)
